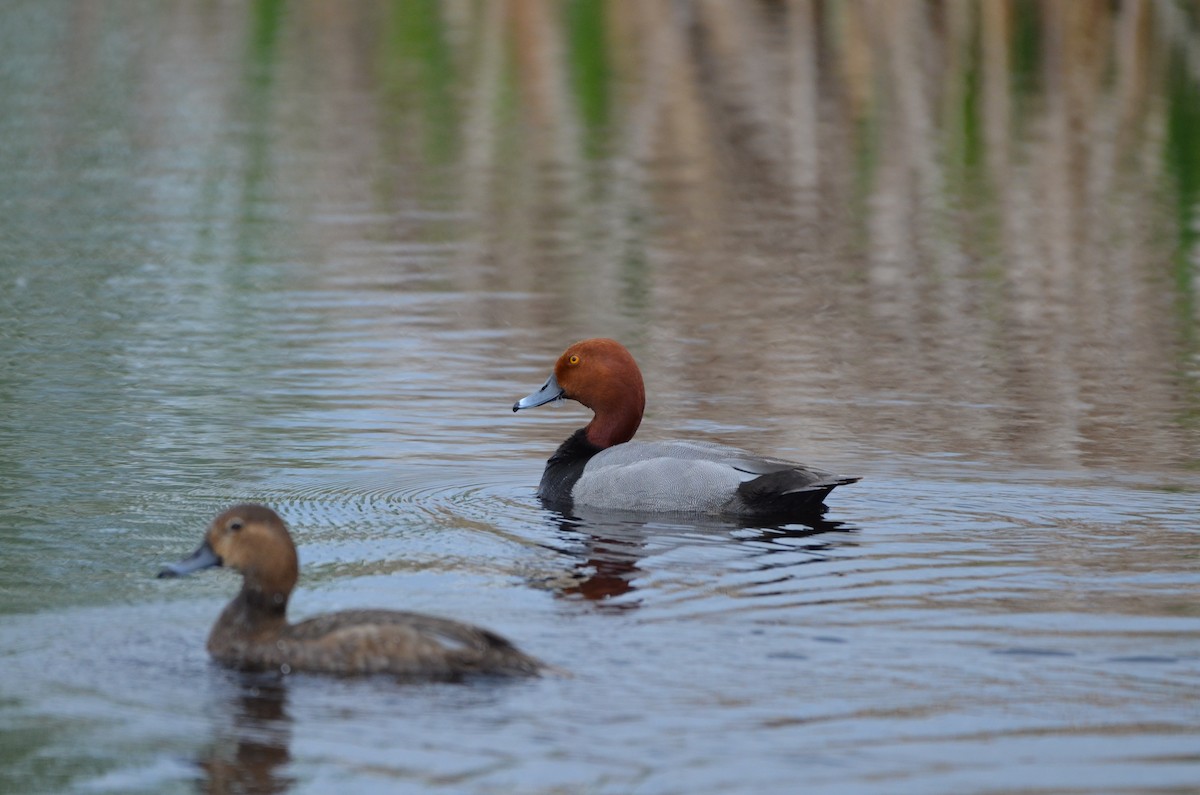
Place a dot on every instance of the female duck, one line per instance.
(253, 633)
(599, 467)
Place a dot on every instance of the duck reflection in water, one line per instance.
(251, 752)
(615, 544)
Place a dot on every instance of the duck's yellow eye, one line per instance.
(574, 360)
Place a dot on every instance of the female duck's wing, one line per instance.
(409, 645)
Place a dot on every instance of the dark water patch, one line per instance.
(1026, 651)
(1139, 659)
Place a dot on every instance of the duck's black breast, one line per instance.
(564, 468)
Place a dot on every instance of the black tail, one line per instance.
(791, 493)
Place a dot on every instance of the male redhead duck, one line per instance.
(253, 633)
(599, 467)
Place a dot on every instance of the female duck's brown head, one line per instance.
(602, 375)
(252, 540)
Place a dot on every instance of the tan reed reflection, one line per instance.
(929, 226)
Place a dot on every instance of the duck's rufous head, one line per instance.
(602, 375)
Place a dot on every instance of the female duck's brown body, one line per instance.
(252, 632)
(600, 467)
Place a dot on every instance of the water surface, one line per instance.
(309, 254)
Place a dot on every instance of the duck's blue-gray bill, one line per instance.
(549, 392)
(202, 558)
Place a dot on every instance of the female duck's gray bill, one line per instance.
(549, 392)
(202, 558)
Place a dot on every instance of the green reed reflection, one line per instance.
(591, 81)
(419, 77)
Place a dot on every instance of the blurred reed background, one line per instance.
(962, 204)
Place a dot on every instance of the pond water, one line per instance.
(310, 253)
